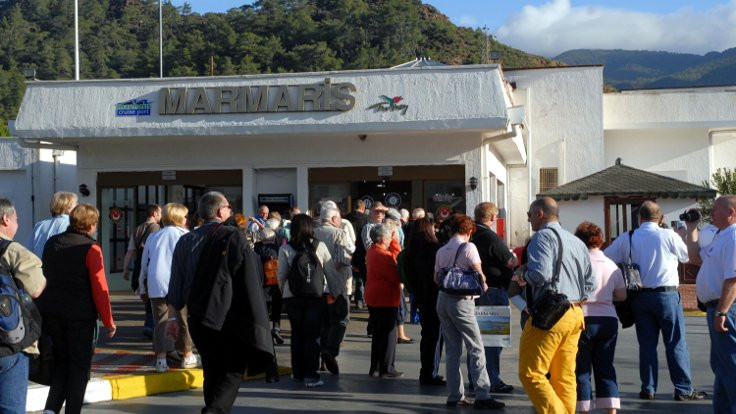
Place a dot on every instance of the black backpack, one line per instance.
(306, 275)
(20, 321)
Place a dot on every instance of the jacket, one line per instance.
(226, 293)
(382, 286)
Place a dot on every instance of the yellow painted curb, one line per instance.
(694, 313)
(133, 386)
(282, 371)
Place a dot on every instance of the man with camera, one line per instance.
(716, 288)
(657, 306)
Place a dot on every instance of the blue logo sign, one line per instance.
(133, 107)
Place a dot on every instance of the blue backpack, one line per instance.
(20, 321)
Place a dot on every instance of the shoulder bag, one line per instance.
(461, 282)
(551, 305)
(632, 280)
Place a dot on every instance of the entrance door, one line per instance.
(622, 215)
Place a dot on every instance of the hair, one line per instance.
(273, 224)
(404, 214)
(359, 204)
(380, 232)
(484, 211)
(421, 231)
(590, 234)
(262, 206)
(329, 213)
(210, 203)
(152, 209)
(83, 217)
(462, 224)
(418, 213)
(293, 211)
(274, 215)
(649, 211)
(267, 235)
(241, 220)
(174, 214)
(548, 205)
(62, 202)
(302, 231)
(6, 207)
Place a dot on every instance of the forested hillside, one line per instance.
(119, 39)
(631, 69)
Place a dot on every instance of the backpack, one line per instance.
(271, 272)
(20, 321)
(306, 276)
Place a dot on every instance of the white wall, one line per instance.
(565, 115)
(572, 213)
(677, 153)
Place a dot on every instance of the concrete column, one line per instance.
(249, 197)
(302, 188)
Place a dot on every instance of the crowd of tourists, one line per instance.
(218, 282)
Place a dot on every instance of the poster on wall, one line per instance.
(495, 325)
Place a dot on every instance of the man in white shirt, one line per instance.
(716, 287)
(657, 306)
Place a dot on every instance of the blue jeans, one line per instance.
(723, 362)
(596, 348)
(13, 383)
(459, 326)
(655, 312)
(493, 297)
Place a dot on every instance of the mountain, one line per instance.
(119, 39)
(635, 69)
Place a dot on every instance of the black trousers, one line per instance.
(73, 345)
(383, 341)
(223, 363)
(430, 338)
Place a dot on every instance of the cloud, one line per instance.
(556, 26)
(468, 21)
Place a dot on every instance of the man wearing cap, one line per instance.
(716, 287)
(378, 213)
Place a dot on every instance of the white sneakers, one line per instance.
(190, 362)
(313, 382)
(161, 365)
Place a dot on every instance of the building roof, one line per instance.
(622, 180)
(419, 63)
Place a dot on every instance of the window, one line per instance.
(547, 179)
(621, 215)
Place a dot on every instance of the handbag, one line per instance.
(551, 305)
(632, 280)
(461, 282)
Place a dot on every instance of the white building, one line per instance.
(441, 137)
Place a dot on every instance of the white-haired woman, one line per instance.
(154, 282)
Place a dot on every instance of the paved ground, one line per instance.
(354, 391)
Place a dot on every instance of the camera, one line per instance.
(690, 216)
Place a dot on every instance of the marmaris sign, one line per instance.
(326, 96)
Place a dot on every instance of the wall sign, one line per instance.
(134, 107)
(385, 171)
(390, 104)
(325, 96)
(168, 175)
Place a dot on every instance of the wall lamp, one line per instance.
(473, 182)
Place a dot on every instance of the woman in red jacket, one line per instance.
(382, 297)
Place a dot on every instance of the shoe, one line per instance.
(161, 365)
(392, 374)
(360, 304)
(330, 363)
(404, 341)
(461, 403)
(190, 362)
(646, 395)
(276, 335)
(693, 396)
(502, 388)
(313, 382)
(489, 404)
(438, 380)
(322, 367)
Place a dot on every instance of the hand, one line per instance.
(111, 331)
(719, 324)
(126, 274)
(172, 330)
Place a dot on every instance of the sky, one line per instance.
(550, 27)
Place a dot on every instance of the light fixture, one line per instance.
(473, 183)
(83, 190)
